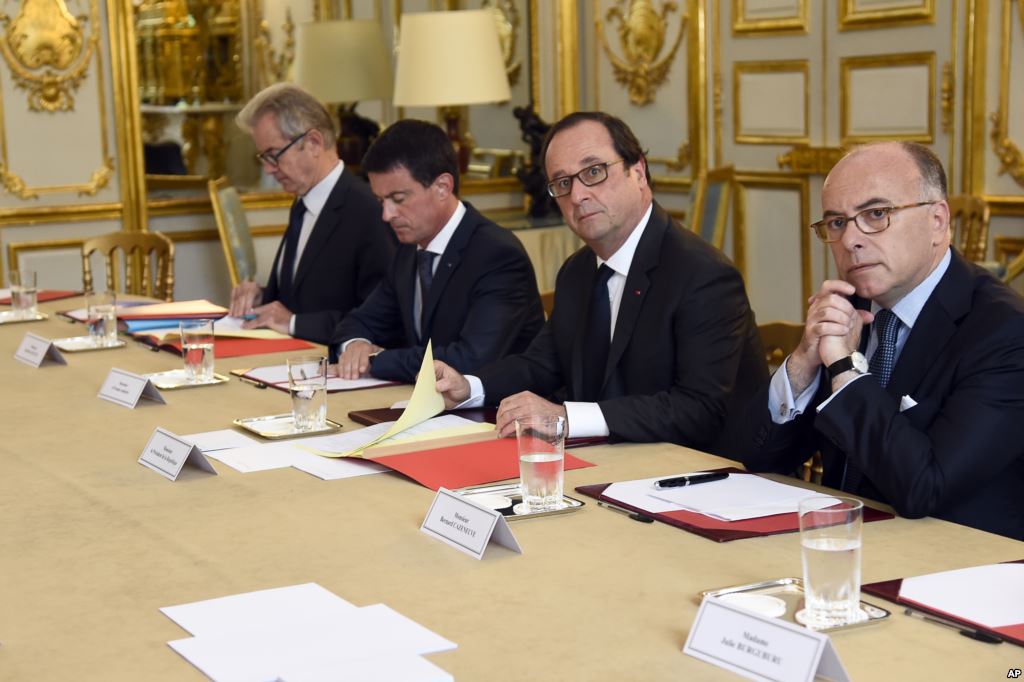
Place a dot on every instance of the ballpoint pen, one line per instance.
(972, 633)
(690, 479)
(636, 516)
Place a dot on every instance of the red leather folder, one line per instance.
(227, 347)
(890, 590)
(47, 295)
(476, 414)
(718, 530)
(458, 466)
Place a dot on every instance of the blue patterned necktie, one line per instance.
(887, 327)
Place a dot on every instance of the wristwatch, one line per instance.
(855, 361)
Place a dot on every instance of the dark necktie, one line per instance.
(291, 246)
(598, 337)
(887, 327)
(425, 270)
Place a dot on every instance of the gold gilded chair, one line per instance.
(148, 263)
(968, 219)
(233, 226)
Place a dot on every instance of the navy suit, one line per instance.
(482, 304)
(958, 454)
(685, 350)
(347, 253)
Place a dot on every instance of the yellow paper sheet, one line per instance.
(197, 307)
(402, 439)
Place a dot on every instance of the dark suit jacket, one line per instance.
(346, 255)
(685, 348)
(959, 453)
(482, 304)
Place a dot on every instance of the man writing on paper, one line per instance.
(336, 248)
(651, 337)
(910, 374)
(457, 279)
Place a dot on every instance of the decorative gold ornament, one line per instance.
(807, 160)
(43, 46)
(1011, 159)
(506, 18)
(675, 164)
(948, 97)
(273, 68)
(642, 36)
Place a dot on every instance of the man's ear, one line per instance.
(443, 184)
(940, 224)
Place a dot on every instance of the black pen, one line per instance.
(972, 633)
(690, 479)
(633, 515)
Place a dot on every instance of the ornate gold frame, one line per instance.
(800, 66)
(1011, 158)
(851, 18)
(849, 64)
(740, 24)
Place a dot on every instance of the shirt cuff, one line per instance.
(586, 420)
(476, 394)
(841, 389)
(343, 346)
(291, 326)
(782, 405)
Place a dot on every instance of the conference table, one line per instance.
(92, 544)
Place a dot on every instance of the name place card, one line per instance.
(166, 454)
(34, 349)
(125, 389)
(760, 647)
(467, 526)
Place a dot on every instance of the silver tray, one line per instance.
(79, 344)
(791, 591)
(280, 427)
(174, 379)
(489, 495)
(8, 317)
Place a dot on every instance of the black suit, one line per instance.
(685, 349)
(346, 255)
(482, 304)
(959, 453)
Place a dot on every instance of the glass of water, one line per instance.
(101, 317)
(830, 541)
(197, 349)
(541, 443)
(307, 383)
(24, 294)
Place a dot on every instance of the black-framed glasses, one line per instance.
(869, 221)
(271, 158)
(589, 176)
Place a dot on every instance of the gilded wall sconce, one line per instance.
(642, 30)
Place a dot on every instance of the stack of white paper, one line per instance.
(991, 596)
(741, 496)
(304, 632)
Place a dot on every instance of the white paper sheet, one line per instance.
(992, 595)
(258, 457)
(390, 668)
(223, 439)
(352, 440)
(741, 496)
(261, 651)
(278, 374)
(333, 469)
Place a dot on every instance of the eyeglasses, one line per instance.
(589, 176)
(271, 158)
(869, 221)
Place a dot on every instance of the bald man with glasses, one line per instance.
(651, 337)
(336, 247)
(910, 375)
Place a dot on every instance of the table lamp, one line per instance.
(450, 59)
(343, 63)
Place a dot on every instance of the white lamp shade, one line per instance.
(342, 61)
(449, 59)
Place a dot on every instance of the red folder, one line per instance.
(228, 347)
(458, 466)
(890, 590)
(716, 529)
(47, 295)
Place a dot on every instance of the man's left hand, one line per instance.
(524, 404)
(272, 316)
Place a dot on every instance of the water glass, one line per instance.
(830, 542)
(24, 294)
(307, 383)
(541, 444)
(101, 317)
(197, 349)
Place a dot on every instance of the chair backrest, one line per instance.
(547, 300)
(235, 237)
(779, 340)
(968, 219)
(139, 250)
(712, 197)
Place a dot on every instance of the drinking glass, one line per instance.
(197, 350)
(24, 295)
(830, 542)
(307, 383)
(541, 443)
(101, 317)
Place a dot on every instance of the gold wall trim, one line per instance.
(741, 24)
(15, 249)
(59, 214)
(697, 56)
(251, 201)
(716, 87)
(976, 32)
(799, 66)
(121, 26)
(951, 169)
(1005, 205)
(185, 236)
(1011, 158)
(534, 57)
(807, 160)
(909, 14)
(485, 186)
(849, 64)
(568, 58)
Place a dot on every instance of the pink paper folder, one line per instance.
(458, 466)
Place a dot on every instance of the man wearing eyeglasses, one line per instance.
(910, 374)
(651, 337)
(336, 248)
